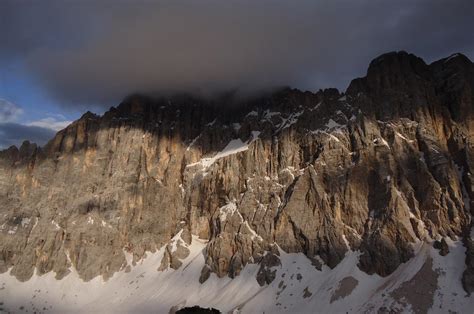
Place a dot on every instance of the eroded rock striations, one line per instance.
(376, 169)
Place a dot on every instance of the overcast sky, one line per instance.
(60, 58)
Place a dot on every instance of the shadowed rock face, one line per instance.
(376, 169)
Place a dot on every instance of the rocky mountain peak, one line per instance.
(458, 59)
(88, 115)
(27, 153)
(393, 71)
(397, 62)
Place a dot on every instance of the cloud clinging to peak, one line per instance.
(99, 51)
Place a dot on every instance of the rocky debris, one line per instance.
(266, 274)
(345, 288)
(442, 246)
(205, 274)
(468, 274)
(176, 251)
(375, 169)
(307, 293)
(419, 291)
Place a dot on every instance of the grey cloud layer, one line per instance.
(15, 133)
(39, 131)
(97, 52)
(9, 111)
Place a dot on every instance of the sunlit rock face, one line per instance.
(376, 169)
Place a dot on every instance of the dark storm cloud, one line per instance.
(15, 134)
(99, 51)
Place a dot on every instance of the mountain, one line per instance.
(294, 201)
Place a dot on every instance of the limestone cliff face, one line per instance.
(376, 169)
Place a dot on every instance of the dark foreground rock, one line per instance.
(197, 310)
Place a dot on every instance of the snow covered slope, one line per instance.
(428, 282)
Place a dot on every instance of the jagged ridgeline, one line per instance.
(379, 170)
